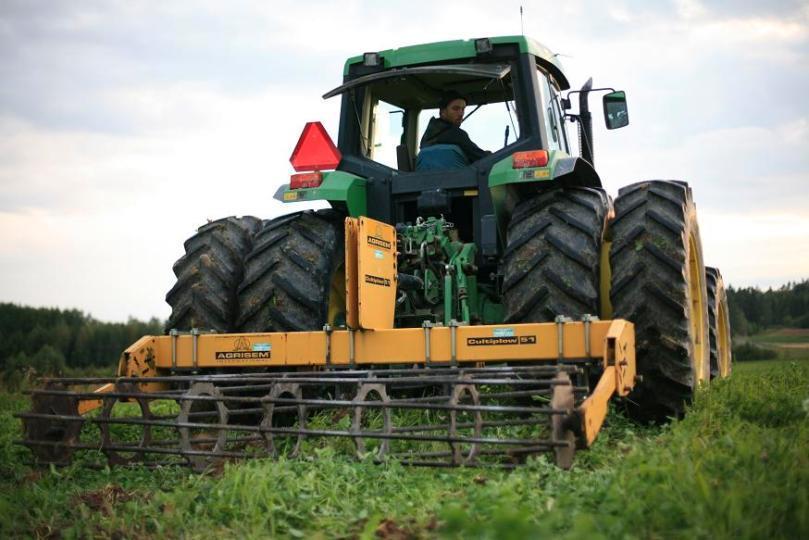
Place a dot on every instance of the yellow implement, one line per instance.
(434, 395)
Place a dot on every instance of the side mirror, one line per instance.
(615, 111)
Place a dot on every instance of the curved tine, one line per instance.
(356, 424)
(277, 391)
(200, 462)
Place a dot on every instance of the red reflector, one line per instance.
(305, 180)
(532, 158)
(315, 150)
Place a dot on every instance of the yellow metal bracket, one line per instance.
(370, 274)
(618, 378)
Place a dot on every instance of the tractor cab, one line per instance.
(395, 107)
(512, 87)
(514, 109)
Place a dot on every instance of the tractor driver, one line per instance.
(446, 129)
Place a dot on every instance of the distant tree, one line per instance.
(738, 322)
(74, 339)
(16, 370)
(785, 306)
(48, 361)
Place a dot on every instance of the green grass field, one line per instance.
(736, 467)
(783, 336)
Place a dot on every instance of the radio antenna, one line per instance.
(522, 26)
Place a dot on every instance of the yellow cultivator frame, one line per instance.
(546, 363)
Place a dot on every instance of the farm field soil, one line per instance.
(735, 467)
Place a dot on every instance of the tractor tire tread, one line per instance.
(552, 258)
(287, 278)
(650, 287)
(204, 295)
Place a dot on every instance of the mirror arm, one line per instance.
(571, 92)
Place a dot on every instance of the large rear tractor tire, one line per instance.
(208, 275)
(718, 324)
(658, 283)
(293, 278)
(552, 257)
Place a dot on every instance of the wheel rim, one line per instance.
(722, 341)
(697, 312)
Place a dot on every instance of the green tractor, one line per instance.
(525, 234)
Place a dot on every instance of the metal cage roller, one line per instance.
(113, 448)
(563, 398)
(202, 451)
(271, 416)
(366, 389)
(462, 392)
(59, 435)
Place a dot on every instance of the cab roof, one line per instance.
(443, 51)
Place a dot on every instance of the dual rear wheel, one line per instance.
(555, 264)
(241, 275)
(244, 275)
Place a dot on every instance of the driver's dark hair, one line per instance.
(448, 96)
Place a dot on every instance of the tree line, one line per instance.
(37, 341)
(753, 310)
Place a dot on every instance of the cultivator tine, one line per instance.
(435, 417)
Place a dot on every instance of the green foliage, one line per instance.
(735, 467)
(21, 369)
(72, 338)
(747, 351)
(753, 310)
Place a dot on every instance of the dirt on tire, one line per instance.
(657, 273)
(289, 272)
(552, 257)
(208, 275)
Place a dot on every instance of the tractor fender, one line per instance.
(341, 189)
(575, 171)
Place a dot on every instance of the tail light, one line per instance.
(305, 180)
(532, 158)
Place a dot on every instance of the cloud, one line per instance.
(124, 125)
(195, 142)
(754, 168)
(756, 249)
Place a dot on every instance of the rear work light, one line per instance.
(305, 180)
(532, 158)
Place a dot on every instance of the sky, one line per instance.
(124, 125)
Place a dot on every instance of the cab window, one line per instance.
(491, 127)
(386, 133)
(554, 119)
